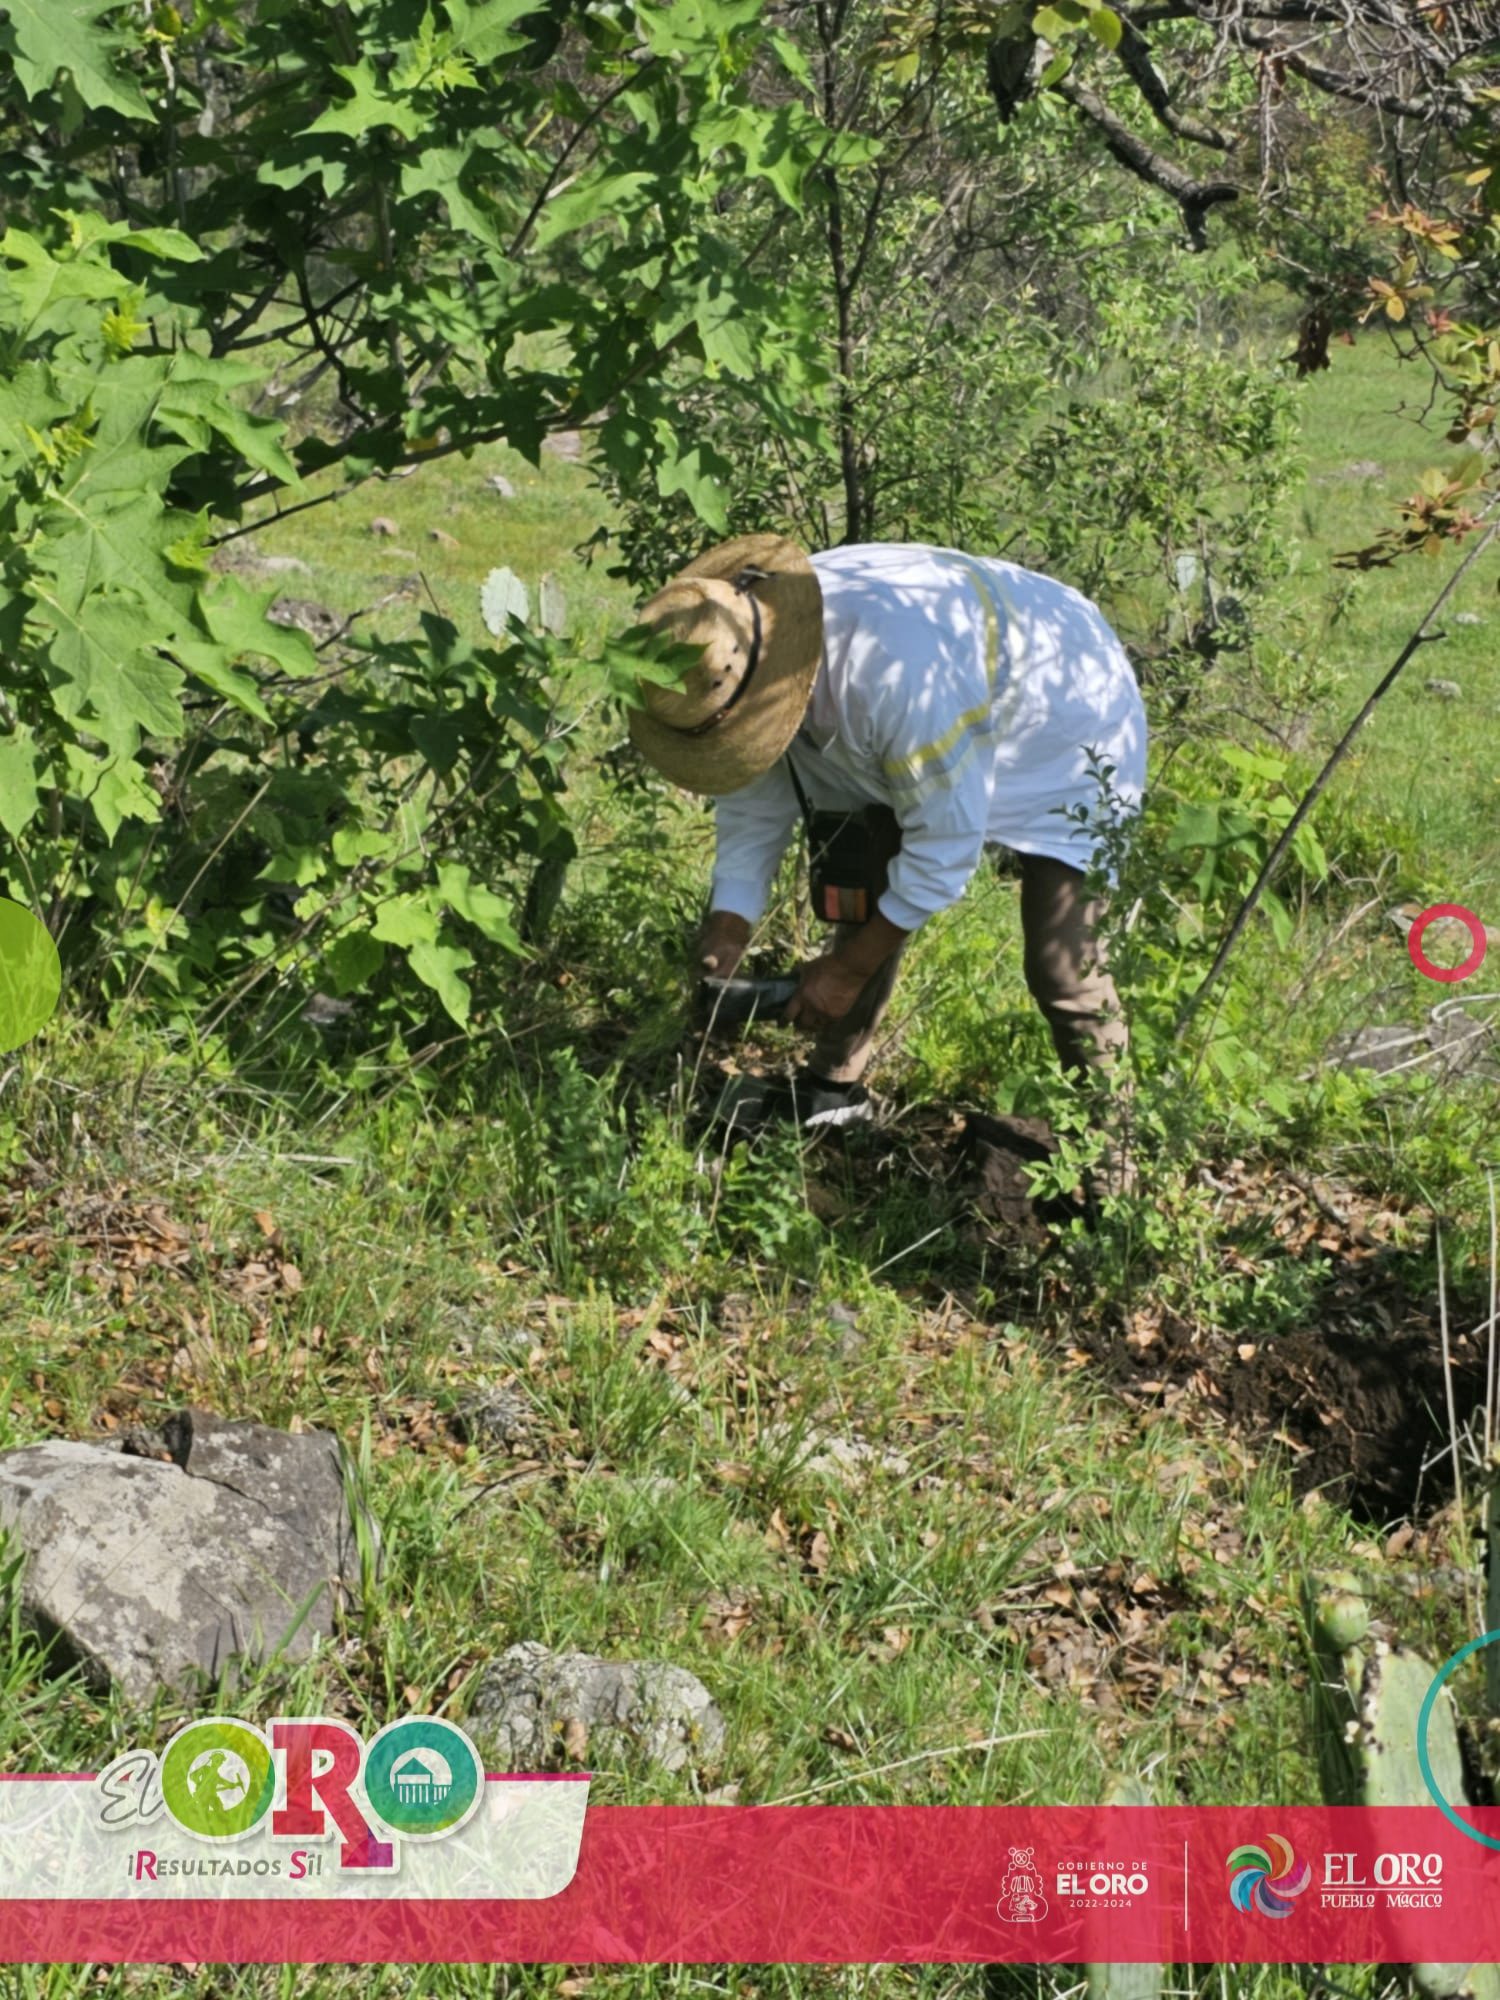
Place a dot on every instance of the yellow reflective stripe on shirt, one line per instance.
(932, 754)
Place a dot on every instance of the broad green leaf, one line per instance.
(1279, 917)
(170, 244)
(300, 862)
(360, 843)
(352, 961)
(440, 740)
(367, 107)
(440, 171)
(488, 912)
(210, 665)
(1252, 763)
(29, 402)
(594, 198)
(114, 788)
(1106, 27)
(439, 966)
(1310, 851)
(108, 681)
(19, 797)
(699, 473)
(87, 226)
(405, 921)
(43, 37)
(1196, 825)
(199, 405)
(1049, 23)
(237, 618)
(42, 283)
(485, 29)
(503, 600)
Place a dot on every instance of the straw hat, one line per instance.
(755, 608)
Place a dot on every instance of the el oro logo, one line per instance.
(301, 1779)
(1266, 1877)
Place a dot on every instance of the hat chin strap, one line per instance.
(743, 583)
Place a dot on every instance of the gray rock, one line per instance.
(498, 483)
(531, 1704)
(1444, 690)
(1377, 1048)
(850, 1459)
(1463, 1044)
(1467, 618)
(324, 1009)
(1452, 1044)
(150, 1572)
(493, 1418)
(316, 620)
(385, 526)
(563, 444)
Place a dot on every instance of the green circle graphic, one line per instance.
(394, 1777)
(217, 1778)
(30, 975)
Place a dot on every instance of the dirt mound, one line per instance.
(1364, 1410)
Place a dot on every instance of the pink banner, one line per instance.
(842, 1884)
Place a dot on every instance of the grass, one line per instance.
(1427, 762)
(1024, 1554)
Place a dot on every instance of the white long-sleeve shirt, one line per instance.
(963, 692)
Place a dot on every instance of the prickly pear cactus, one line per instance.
(1367, 1698)
(1125, 1982)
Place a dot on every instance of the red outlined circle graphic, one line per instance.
(1448, 974)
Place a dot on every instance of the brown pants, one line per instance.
(1063, 963)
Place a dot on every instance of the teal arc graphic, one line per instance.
(1424, 1720)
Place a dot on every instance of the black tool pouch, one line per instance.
(848, 857)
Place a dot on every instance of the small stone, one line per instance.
(530, 1699)
(316, 620)
(441, 536)
(492, 1418)
(1444, 690)
(498, 483)
(1378, 1048)
(1467, 618)
(322, 1010)
(849, 1459)
(384, 525)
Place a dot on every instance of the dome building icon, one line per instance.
(422, 1779)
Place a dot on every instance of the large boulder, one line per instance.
(151, 1571)
(531, 1705)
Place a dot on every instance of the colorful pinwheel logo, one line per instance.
(1266, 1878)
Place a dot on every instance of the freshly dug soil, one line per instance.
(1356, 1395)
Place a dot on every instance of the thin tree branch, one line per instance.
(1194, 198)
